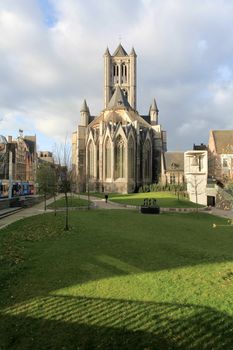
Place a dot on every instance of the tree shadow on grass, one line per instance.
(64, 322)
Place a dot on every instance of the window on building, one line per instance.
(115, 74)
(123, 73)
(224, 162)
(119, 158)
(147, 159)
(172, 178)
(91, 160)
(108, 158)
(131, 158)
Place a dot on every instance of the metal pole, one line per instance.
(10, 175)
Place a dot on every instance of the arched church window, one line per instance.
(119, 158)
(131, 158)
(115, 73)
(123, 73)
(108, 158)
(147, 159)
(91, 160)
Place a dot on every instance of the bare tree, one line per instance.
(195, 183)
(64, 169)
(47, 181)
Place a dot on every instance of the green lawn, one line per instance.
(164, 199)
(73, 202)
(117, 280)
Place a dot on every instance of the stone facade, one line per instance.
(119, 150)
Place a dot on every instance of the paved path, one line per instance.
(99, 204)
(222, 213)
(26, 212)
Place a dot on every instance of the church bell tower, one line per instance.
(120, 70)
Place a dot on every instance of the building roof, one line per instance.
(118, 100)
(223, 141)
(120, 51)
(3, 139)
(201, 147)
(174, 161)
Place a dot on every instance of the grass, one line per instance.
(117, 280)
(164, 199)
(73, 202)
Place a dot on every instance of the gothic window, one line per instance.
(123, 73)
(172, 178)
(119, 158)
(115, 74)
(108, 158)
(91, 160)
(97, 161)
(147, 159)
(131, 158)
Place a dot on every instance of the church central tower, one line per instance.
(120, 70)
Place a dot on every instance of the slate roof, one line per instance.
(120, 51)
(146, 118)
(3, 139)
(223, 141)
(174, 161)
(31, 144)
(118, 100)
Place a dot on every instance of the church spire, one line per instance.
(133, 53)
(85, 114)
(154, 113)
(107, 53)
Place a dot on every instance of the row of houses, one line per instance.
(19, 160)
(205, 169)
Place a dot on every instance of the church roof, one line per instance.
(118, 100)
(174, 161)
(120, 51)
(223, 141)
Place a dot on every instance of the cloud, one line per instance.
(52, 58)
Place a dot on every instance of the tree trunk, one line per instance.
(67, 212)
(45, 202)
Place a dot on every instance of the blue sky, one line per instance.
(52, 58)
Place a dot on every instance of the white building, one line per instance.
(196, 173)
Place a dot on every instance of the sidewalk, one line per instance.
(223, 213)
(24, 213)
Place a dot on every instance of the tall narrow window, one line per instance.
(131, 158)
(147, 159)
(123, 73)
(108, 158)
(119, 158)
(115, 74)
(91, 160)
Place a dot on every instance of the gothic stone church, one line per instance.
(118, 150)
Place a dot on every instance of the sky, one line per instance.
(51, 58)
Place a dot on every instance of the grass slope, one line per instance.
(164, 199)
(73, 202)
(117, 280)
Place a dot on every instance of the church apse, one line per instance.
(118, 150)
